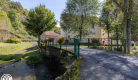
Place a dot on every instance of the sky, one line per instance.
(56, 6)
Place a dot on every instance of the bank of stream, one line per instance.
(47, 70)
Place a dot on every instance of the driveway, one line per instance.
(101, 65)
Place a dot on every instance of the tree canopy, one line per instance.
(40, 19)
(79, 15)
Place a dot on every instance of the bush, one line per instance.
(13, 39)
(95, 40)
(134, 48)
(34, 58)
(9, 57)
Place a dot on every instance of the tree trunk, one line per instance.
(81, 33)
(116, 36)
(125, 21)
(130, 9)
(39, 40)
(81, 26)
(129, 36)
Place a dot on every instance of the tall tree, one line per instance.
(78, 15)
(106, 17)
(40, 19)
(127, 8)
(117, 27)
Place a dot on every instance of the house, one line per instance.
(3, 31)
(96, 32)
(49, 34)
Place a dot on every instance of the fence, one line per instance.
(69, 45)
(116, 45)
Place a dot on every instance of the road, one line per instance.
(102, 65)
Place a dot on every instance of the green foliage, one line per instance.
(13, 39)
(13, 15)
(40, 19)
(16, 5)
(34, 58)
(73, 73)
(16, 15)
(50, 39)
(45, 41)
(56, 30)
(64, 54)
(4, 17)
(106, 17)
(60, 39)
(9, 57)
(134, 48)
(78, 18)
(95, 40)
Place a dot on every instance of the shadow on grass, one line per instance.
(7, 59)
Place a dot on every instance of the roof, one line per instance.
(3, 25)
(51, 33)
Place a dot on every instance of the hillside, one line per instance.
(14, 15)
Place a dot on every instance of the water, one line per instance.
(47, 70)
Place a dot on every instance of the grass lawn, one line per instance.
(10, 48)
(6, 49)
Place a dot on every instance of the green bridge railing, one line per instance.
(110, 44)
(72, 45)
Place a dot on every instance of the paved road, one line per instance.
(101, 65)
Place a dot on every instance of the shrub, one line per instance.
(95, 40)
(50, 39)
(60, 39)
(13, 39)
(9, 57)
(134, 48)
(34, 58)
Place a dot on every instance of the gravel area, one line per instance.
(102, 65)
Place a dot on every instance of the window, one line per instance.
(93, 35)
(93, 26)
(103, 34)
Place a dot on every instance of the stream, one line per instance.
(47, 70)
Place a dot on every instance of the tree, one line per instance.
(4, 17)
(56, 30)
(127, 8)
(40, 19)
(117, 24)
(106, 17)
(13, 15)
(79, 15)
